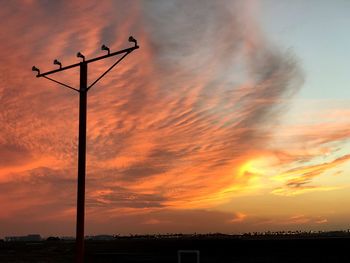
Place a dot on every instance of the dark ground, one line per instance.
(212, 249)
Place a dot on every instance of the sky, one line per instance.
(232, 117)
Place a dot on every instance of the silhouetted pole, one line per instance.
(83, 90)
(81, 162)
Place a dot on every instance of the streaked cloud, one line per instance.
(171, 133)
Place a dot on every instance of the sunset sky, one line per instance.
(233, 116)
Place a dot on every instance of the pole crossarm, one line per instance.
(100, 77)
(127, 50)
(58, 82)
(83, 92)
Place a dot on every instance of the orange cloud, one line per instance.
(297, 180)
(239, 217)
(172, 128)
(303, 219)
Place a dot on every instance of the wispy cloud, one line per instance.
(170, 129)
(309, 153)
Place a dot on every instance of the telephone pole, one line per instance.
(83, 90)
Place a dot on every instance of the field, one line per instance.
(211, 249)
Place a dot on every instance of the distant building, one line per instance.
(31, 237)
(53, 239)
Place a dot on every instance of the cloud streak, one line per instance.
(169, 130)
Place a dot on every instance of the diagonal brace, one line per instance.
(58, 82)
(100, 77)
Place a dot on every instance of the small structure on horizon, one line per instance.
(30, 238)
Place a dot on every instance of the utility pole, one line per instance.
(83, 90)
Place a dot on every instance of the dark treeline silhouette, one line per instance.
(289, 246)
